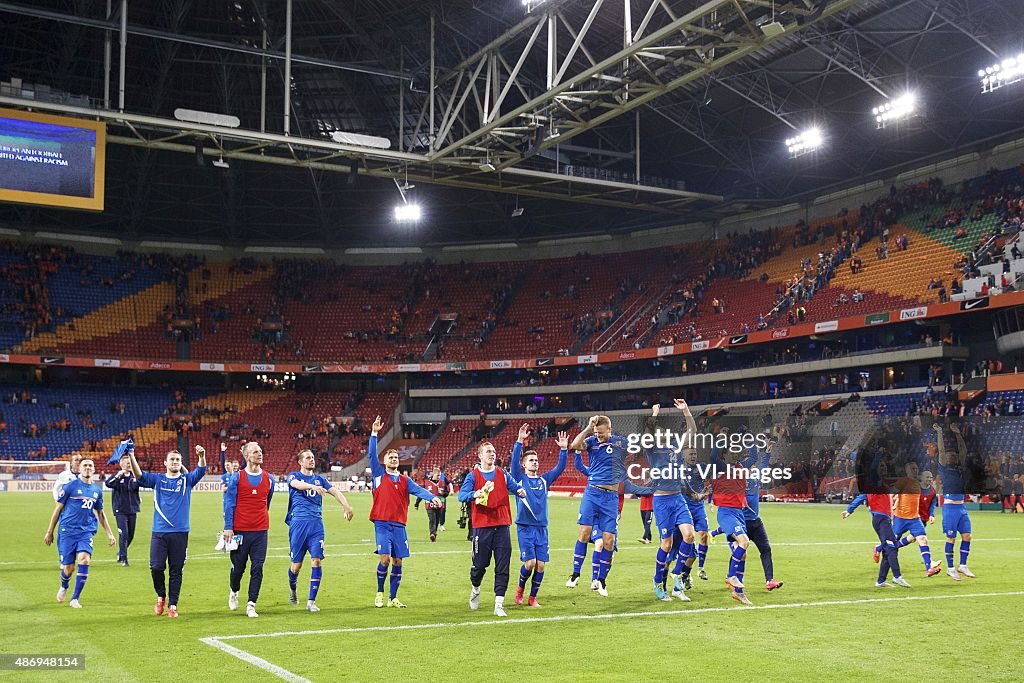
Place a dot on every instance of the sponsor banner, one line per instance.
(212, 367)
(4, 358)
(106, 362)
(19, 485)
(700, 345)
(51, 360)
(209, 486)
(362, 368)
(914, 313)
(830, 326)
(780, 334)
(159, 366)
(409, 367)
(458, 365)
(544, 362)
(876, 318)
(666, 350)
(313, 368)
(500, 364)
(592, 358)
(974, 304)
(262, 367)
(627, 355)
(738, 339)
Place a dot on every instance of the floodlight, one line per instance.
(895, 109)
(1005, 72)
(407, 213)
(807, 141)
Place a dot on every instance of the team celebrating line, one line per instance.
(678, 505)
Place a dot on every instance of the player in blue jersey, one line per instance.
(532, 512)
(78, 508)
(955, 519)
(606, 459)
(599, 585)
(230, 468)
(305, 521)
(671, 513)
(694, 494)
(172, 503)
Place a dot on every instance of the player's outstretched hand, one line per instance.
(378, 424)
(48, 538)
(563, 440)
(845, 514)
(200, 451)
(348, 514)
(320, 489)
(524, 432)
(435, 501)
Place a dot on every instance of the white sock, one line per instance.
(499, 600)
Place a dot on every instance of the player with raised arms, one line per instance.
(78, 508)
(305, 520)
(172, 504)
(606, 456)
(389, 514)
(671, 512)
(599, 585)
(694, 495)
(532, 512)
(955, 519)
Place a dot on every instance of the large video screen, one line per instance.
(51, 160)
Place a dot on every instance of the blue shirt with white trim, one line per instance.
(172, 498)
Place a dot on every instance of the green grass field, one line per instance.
(827, 623)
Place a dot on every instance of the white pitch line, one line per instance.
(620, 615)
(217, 555)
(248, 658)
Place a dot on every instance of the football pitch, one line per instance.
(828, 622)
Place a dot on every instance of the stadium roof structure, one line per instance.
(594, 116)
